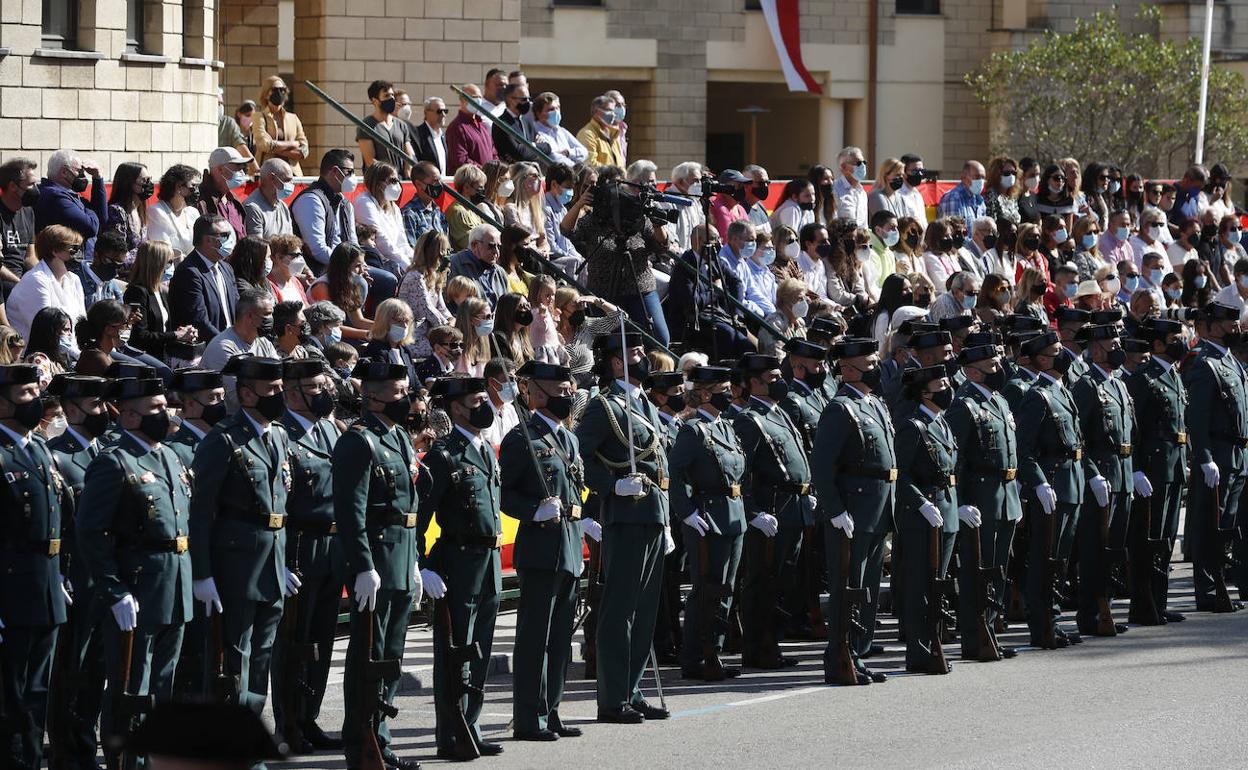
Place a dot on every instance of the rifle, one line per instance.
(712, 593)
(1046, 532)
(1105, 612)
(938, 587)
(452, 683)
(982, 579)
(844, 671)
(1016, 606)
(1217, 536)
(374, 674)
(294, 663)
(1145, 561)
(129, 706)
(224, 686)
(658, 679)
(810, 579)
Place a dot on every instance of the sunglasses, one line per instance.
(74, 250)
(443, 111)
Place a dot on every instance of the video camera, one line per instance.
(1179, 314)
(625, 211)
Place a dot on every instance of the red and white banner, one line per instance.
(784, 22)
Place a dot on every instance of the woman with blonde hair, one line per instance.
(378, 206)
(498, 188)
(524, 207)
(884, 194)
(278, 133)
(789, 318)
(470, 182)
(421, 288)
(475, 321)
(1030, 298)
(391, 335)
(11, 344)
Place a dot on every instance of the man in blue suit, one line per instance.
(202, 292)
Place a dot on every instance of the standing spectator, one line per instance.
(495, 89)
(886, 192)
(1115, 241)
(265, 213)
(17, 220)
(547, 117)
(227, 171)
(600, 136)
(245, 116)
(322, 214)
(1001, 190)
(1096, 190)
(1054, 198)
(278, 132)
(813, 240)
(1074, 182)
(462, 220)
(202, 291)
(383, 121)
(517, 104)
(230, 132)
(525, 204)
(172, 217)
(756, 192)
(1188, 196)
(915, 174)
(61, 204)
(621, 111)
(378, 206)
(479, 262)
(468, 138)
(726, 207)
(153, 329)
(941, 258)
(51, 282)
(559, 183)
(687, 180)
(421, 288)
(246, 335)
(252, 264)
(429, 141)
(421, 214)
(966, 199)
(289, 271)
(847, 190)
(127, 205)
(797, 206)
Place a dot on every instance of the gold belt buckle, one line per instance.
(54, 546)
(277, 520)
(892, 474)
(953, 480)
(498, 541)
(180, 544)
(663, 484)
(574, 513)
(409, 520)
(1181, 438)
(1079, 454)
(1124, 450)
(803, 488)
(1010, 473)
(333, 528)
(734, 490)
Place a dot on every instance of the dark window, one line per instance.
(591, 3)
(135, 25)
(753, 5)
(60, 23)
(918, 6)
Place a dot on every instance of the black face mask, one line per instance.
(397, 411)
(387, 105)
(1176, 350)
(1031, 244)
(777, 390)
(80, 183)
(676, 403)
(1007, 240)
(192, 196)
(815, 379)
(738, 195)
(559, 406)
(155, 426)
(912, 240)
(826, 190)
(95, 424)
(1209, 232)
(945, 244)
(1061, 364)
(482, 416)
(951, 367)
(30, 196)
(942, 398)
(147, 190)
(639, 370)
(416, 421)
(995, 381)
(277, 98)
(923, 301)
(872, 378)
(760, 191)
(434, 190)
(107, 271)
(914, 180)
(1231, 339)
(577, 318)
(524, 106)
(213, 413)
(895, 184)
(721, 401)
(266, 326)
(824, 250)
(271, 406)
(29, 414)
(524, 317)
(1038, 290)
(478, 197)
(1116, 358)
(907, 298)
(990, 241)
(803, 206)
(321, 405)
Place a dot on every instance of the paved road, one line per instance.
(1173, 695)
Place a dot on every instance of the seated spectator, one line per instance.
(277, 132)
(458, 289)
(60, 202)
(227, 171)
(480, 263)
(512, 317)
(421, 214)
(11, 345)
(289, 330)
(151, 330)
(107, 329)
(813, 241)
(848, 194)
(559, 183)
(726, 208)
(378, 207)
(100, 279)
(524, 207)
(515, 253)
(421, 288)
(325, 320)
(17, 221)
(498, 188)
(390, 338)
(789, 316)
(959, 300)
(475, 320)
(468, 138)
(50, 283)
(470, 182)
(784, 241)
(323, 216)
(51, 345)
(346, 284)
(172, 217)
(253, 316)
(447, 346)
(547, 117)
(886, 192)
(265, 212)
(544, 331)
(500, 390)
(127, 205)
(289, 273)
(941, 258)
(202, 291)
(252, 264)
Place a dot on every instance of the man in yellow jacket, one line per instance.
(601, 135)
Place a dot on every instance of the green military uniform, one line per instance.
(1050, 452)
(854, 452)
(779, 485)
(375, 506)
(667, 628)
(238, 535)
(708, 471)
(133, 532)
(1017, 386)
(983, 426)
(1161, 404)
(1107, 421)
(927, 456)
(633, 540)
(1073, 318)
(465, 494)
(32, 593)
(1217, 420)
(546, 555)
(313, 552)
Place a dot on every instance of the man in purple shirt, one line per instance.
(468, 138)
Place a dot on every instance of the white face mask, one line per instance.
(800, 308)
(57, 427)
(695, 189)
(1007, 181)
(286, 190)
(507, 393)
(298, 265)
(348, 185)
(124, 336)
(792, 249)
(268, 265)
(405, 112)
(506, 189)
(394, 192)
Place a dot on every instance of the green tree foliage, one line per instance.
(1099, 93)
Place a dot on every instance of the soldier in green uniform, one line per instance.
(856, 483)
(927, 499)
(1161, 405)
(929, 348)
(1138, 353)
(708, 471)
(1025, 371)
(1217, 421)
(891, 370)
(1107, 421)
(778, 501)
(238, 524)
(201, 393)
(375, 503)
(1069, 321)
(1051, 472)
(989, 506)
(133, 532)
(547, 554)
(1015, 329)
(666, 390)
(33, 596)
(313, 553)
(78, 672)
(630, 479)
(464, 564)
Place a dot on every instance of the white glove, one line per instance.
(205, 592)
(812, 503)
(845, 523)
(1143, 487)
(1211, 474)
(435, 586)
(969, 515)
(669, 544)
(420, 586)
(1100, 490)
(592, 530)
(630, 486)
(126, 613)
(1047, 498)
(548, 509)
(765, 523)
(67, 590)
(366, 585)
(695, 522)
(931, 513)
(292, 583)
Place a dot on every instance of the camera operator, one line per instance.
(618, 239)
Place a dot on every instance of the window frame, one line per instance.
(66, 13)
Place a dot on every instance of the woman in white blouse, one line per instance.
(172, 218)
(941, 259)
(378, 206)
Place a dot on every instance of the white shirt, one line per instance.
(260, 431)
(915, 206)
(1178, 255)
(439, 148)
(391, 238)
(816, 274)
(987, 393)
(1229, 295)
(791, 214)
(81, 439)
(505, 418)
(39, 288)
(555, 427)
(851, 200)
(198, 433)
(565, 149)
(304, 422)
(632, 390)
(174, 229)
(938, 268)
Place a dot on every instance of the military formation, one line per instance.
(996, 475)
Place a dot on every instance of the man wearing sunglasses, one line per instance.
(430, 141)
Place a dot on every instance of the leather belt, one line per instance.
(1009, 474)
(1180, 437)
(46, 547)
(733, 491)
(883, 474)
(272, 521)
(404, 520)
(177, 544)
(485, 541)
(314, 526)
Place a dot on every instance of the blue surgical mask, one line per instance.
(968, 302)
(227, 246)
(335, 334)
(1089, 240)
(1061, 235)
(1133, 283)
(286, 190)
(1071, 290)
(237, 179)
(891, 238)
(343, 372)
(1174, 293)
(1199, 281)
(620, 112)
(1122, 233)
(552, 118)
(860, 171)
(1243, 281)
(748, 249)
(1114, 186)
(362, 284)
(769, 256)
(565, 196)
(1155, 276)
(67, 341)
(977, 186)
(167, 275)
(485, 327)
